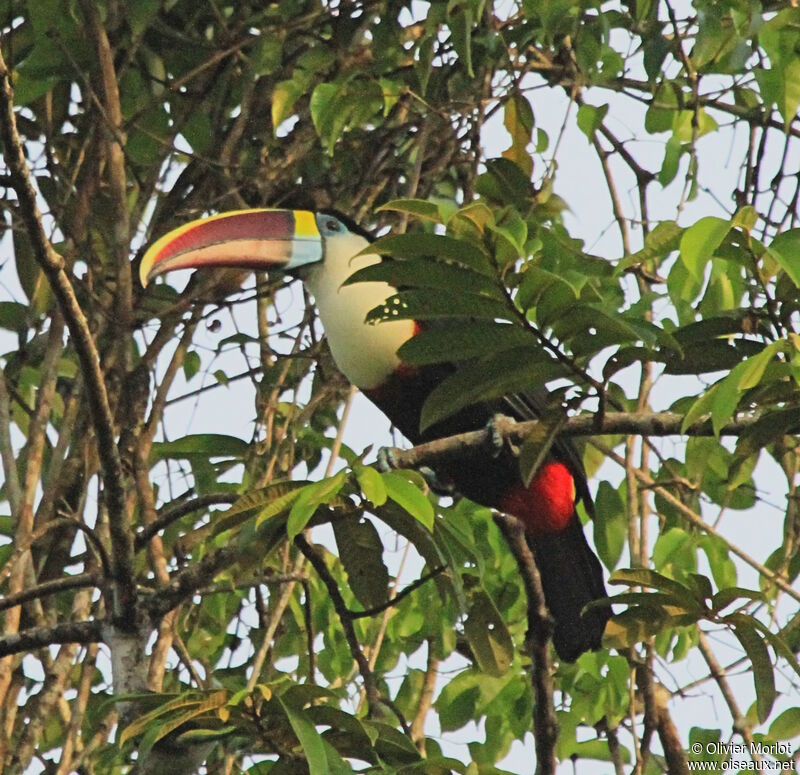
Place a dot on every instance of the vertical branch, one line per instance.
(117, 177)
(13, 489)
(668, 734)
(540, 630)
(314, 556)
(78, 710)
(740, 724)
(425, 699)
(53, 266)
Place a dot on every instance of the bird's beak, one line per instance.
(244, 239)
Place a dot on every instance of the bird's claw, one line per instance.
(439, 486)
(496, 436)
(386, 460)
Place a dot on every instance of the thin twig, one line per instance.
(314, 556)
(695, 519)
(393, 601)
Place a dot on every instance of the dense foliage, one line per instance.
(148, 618)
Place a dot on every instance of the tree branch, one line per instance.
(425, 698)
(540, 630)
(13, 488)
(176, 512)
(668, 734)
(610, 424)
(696, 520)
(314, 556)
(185, 583)
(40, 637)
(115, 144)
(398, 597)
(51, 587)
(53, 266)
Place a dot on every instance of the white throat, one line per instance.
(366, 353)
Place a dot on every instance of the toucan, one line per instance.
(324, 249)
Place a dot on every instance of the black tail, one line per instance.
(571, 578)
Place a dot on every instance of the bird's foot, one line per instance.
(437, 485)
(497, 425)
(386, 460)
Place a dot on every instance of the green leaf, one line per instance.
(658, 244)
(743, 376)
(746, 218)
(590, 119)
(265, 496)
(284, 96)
(725, 597)
(700, 241)
(644, 577)
(785, 250)
(409, 497)
(700, 408)
(430, 304)
(309, 499)
(402, 522)
(361, 553)
(539, 284)
(310, 740)
(419, 208)
(505, 182)
(786, 726)
(212, 445)
(791, 92)
(392, 90)
(424, 59)
(371, 484)
(673, 151)
(493, 376)
(518, 120)
(191, 364)
(763, 677)
(461, 22)
(416, 245)
(454, 341)
(589, 329)
(488, 636)
(427, 273)
(752, 370)
(345, 104)
(141, 13)
(271, 500)
(610, 524)
(14, 316)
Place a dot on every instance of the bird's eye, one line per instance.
(333, 225)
